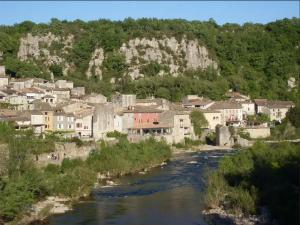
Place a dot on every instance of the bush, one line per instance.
(264, 175)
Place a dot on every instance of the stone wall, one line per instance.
(259, 132)
(63, 151)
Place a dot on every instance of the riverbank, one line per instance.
(197, 148)
(75, 179)
(249, 182)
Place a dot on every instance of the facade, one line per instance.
(213, 118)
(103, 120)
(37, 121)
(78, 91)
(248, 108)
(3, 81)
(277, 109)
(232, 113)
(61, 93)
(63, 121)
(64, 84)
(124, 101)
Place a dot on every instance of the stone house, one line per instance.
(19, 101)
(232, 113)
(37, 121)
(32, 94)
(47, 111)
(3, 80)
(213, 118)
(248, 107)
(63, 121)
(64, 84)
(277, 109)
(260, 105)
(103, 120)
(158, 103)
(84, 122)
(21, 83)
(193, 101)
(237, 97)
(78, 91)
(51, 99)
(61, 93)
(124, 100)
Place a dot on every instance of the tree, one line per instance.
(199, 122)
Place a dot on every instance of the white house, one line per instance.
(232, 113)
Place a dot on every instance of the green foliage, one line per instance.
(153, 68)
(264, 175)
(293, 116)
(125, 157)
(199, 122)
(258, 118)
(114, 65)
(116, 134)
(56, 70)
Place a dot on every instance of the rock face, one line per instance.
(178, 56)
(96, 63)
(47, 48)
(174, 56)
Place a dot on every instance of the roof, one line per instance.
(261, 102)
(225, 105)
(61, 89)
(200, 101)
(143, 109)
(42, 106)
(31, 90)
(280, 104)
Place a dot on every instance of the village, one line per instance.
(45, 107)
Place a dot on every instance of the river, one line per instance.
(171, 194)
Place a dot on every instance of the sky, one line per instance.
(12, 12)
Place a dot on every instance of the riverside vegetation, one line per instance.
(263, 176)
(22, 184)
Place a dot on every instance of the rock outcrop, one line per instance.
(178, 56)
(96, 63)
(48, 49)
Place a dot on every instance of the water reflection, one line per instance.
(168, 195)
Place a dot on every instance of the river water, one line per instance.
(171, 194)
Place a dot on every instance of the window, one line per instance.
(51, 100)
(78, 125)
(60, 126)
(46, 113)
(86, 127)
(181, 123)
(70, 126)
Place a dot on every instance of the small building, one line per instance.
(32, 94)
(61, 93)
(63, 121)
(237, 97)
(232, 113)
(3, 80)
(193, 101)
(213, 118)
(124, 100)
(78, 91)
(248, 107)
(51, 99)
(18, 84)
(64, 84)
(37, 121)
(47, 111)
(277, 109)
(103, 120)
(84, 123)
(260, 105)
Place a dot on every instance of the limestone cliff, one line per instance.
(47, 49)
(178, 56)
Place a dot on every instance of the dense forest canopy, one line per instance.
(254, 59)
